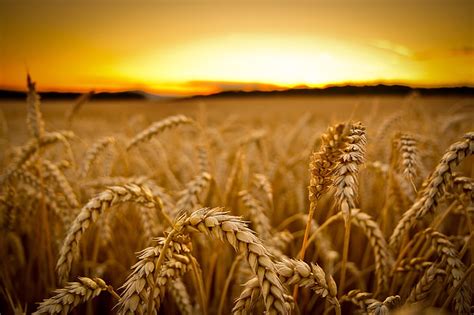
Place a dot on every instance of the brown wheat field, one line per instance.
(269, 205)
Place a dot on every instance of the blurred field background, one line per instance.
(95, 117)
(272, 137)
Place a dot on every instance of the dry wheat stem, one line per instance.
(227, 282)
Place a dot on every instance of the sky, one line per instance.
(201, 47)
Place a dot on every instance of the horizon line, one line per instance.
(237, 87)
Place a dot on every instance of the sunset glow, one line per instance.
(189, 48)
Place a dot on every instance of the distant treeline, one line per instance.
(352, 90)
(380, 89)
(4, 94)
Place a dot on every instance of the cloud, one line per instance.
(465, 51)
(392, 47)
(403, 51)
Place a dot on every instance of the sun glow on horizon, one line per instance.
(201, 47)
(278, 61)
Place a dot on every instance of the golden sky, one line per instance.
(188, 47)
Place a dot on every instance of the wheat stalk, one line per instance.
(147, 282)
(257, 215)
(189, 197)
(383, 257)
(390, 303)
(214, 222)
(249, 296)
(324, 161)
(28, 151)
(203, 159)
(297, 272)
(359, 298)
(93, 152)
(262, 183)
(91, 212)
(322, 167)
(84, 98)
(34, 119)
(414, 264)
(456, 268)
(63, 184)
(408, 160)
(158, 127)
(438, 181)
(346, 170)
(424, 286)
(73, 294)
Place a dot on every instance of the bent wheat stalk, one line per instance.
(147, 283)
(214, 222)
(158, 127)
(91, 212)
(428, 198)
(93, 152)
(73, 294)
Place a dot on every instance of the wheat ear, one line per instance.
(146, 284)
(438, 181)
(262, 183)
(248, 298)
(28, 151)
(408, 160)
(321, 168)
(189, 197)
(62, 183)
(73, 294)
(424, 286)
(93, 152)
(414, 264)
(91, 212)
(158, 127)
(456, 269)
(34, 119)
(297, 272)
(214, 222)
(346, 171)
(260, 221)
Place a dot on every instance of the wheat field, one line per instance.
(237, 206)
